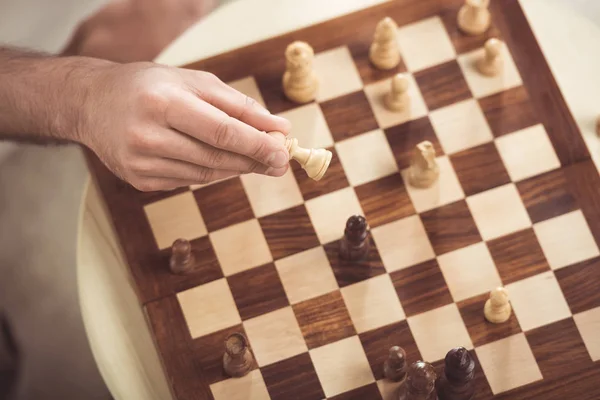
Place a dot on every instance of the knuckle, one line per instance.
(144, 185)
(217, 158)
(249, 105)
(205, 175)
(225, 134)
(142, 142)
(260, 152)
(255, 166)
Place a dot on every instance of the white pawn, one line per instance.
(314, 161)
(474, 17)
(300, 82)
(497, 308)
(491, 63)
(424, 170)
(384, 52)
(397, 98)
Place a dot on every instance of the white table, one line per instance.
(114, 322)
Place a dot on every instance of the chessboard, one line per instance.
(514, 209)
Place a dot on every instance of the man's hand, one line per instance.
(156, 127)
(160, 128)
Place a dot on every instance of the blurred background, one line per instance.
(40, 194)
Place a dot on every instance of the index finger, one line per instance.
(201, 120)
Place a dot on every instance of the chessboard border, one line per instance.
(164, 314)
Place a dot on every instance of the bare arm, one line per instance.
(156, 127)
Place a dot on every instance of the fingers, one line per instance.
(234, 103)
(205, 122)
(177, 146)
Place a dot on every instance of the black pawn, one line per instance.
(355, 244)
(420, 382)
(394, 367)
(457, 381)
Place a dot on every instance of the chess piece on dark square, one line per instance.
(355, 244)
(457, 380)
(182, 257)
(238, 359)
(394, 367)
(420, 382)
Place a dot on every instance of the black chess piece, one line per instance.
(355, 244)
(182, 257)
(394, 367)
(457, 381)
(238, 359)
(420, 382)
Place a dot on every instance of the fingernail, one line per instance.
(278, 159)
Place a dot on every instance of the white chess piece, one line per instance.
(424, 170)
(474, 17)
(314, 161)
(397, 98)
(384, 52)
(491, 63)
(300, 83)
(497, 308)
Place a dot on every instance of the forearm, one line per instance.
(41, 94)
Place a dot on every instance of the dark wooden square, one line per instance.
(334, 179)
(377, 343)
(518, 256)
(257, 291)
(421, 288)
(558, 348)
(349, 115)
(442, 85)
(151, 197)
(207, 351)
(324, 319)
(293, 378)
(289, 232)
(385, 200)
(404, 137)
(370, 391)
(224, 203)
(479, 168)
(580, 283)
(450, 227)
(464, 43)
(508, 111)
(547, 195)
(480, 330)
(162, 281)
(483, 391)
(349, 272)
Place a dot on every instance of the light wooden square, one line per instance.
(376, 93)
(373, 303)
(538, 301)
(527, 153)
(403, 243)
(241, 247)
(248, 87)
(329, 213)
(388, 389)
(425, 43)
(469, 271)
(248, 387)
(372, 146)
(270, 194)
(566, 239)
(445, 190)
(342, 366)
(275, 336)
(460, 126)
(498, 212)
(438, 331)
(337, 74)
(309, 126)
(482, 85)
(508, 363)
(174, 218)
(306, 275)
(208, 308)
(588, 323)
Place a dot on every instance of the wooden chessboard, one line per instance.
(517, 204)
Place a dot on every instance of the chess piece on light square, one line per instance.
(300, 83)
(424, 169)
(491, 62)
(474, 17)
(397, 98)
(314, 161)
